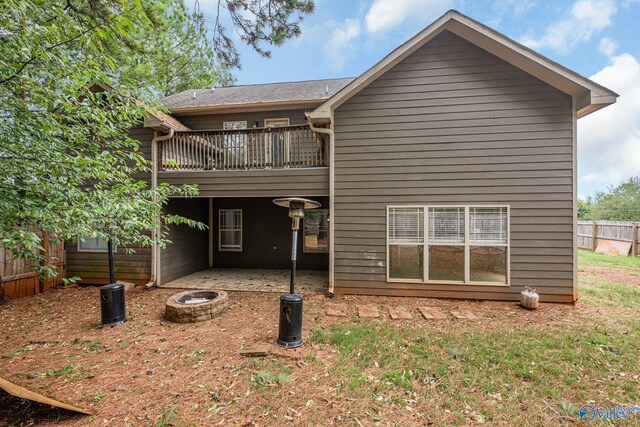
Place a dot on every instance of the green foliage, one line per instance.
(584, 208)
(68, 162)
(258, 23)
(168, 417)
(65, 371)
(69, 165)
(619, 203)
(269, 379)
(168, 53)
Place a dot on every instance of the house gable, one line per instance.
(589, 95)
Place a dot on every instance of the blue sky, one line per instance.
(597, 38)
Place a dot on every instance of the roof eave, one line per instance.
(247, 107)
(495, 43)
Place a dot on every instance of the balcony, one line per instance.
(245, 149)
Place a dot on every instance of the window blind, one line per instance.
(488, 226)
(406, 225)
(446, 225)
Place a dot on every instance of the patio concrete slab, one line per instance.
(368, 310)
(432, 313)
(400, 313)
(256, 280)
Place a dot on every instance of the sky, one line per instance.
(599, 39)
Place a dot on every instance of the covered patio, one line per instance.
(252, 280)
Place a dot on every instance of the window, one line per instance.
(92, 244)
(276, 122)
(464, 244)
(235, 144)
(234, 125)
(230, 230)
(406, 243)
(277, 149)
(316, 231)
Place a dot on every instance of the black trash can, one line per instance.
(112, 304)
(290, 331)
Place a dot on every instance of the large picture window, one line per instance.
(230, 230)
(463, 244)
(316, 231)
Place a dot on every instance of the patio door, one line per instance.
(279, 142)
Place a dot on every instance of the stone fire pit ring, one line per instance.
(195, 306)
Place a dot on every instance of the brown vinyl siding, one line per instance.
(266, 237)
(188, 251)
(255, 183)
(93, 267)
(215, 121)
(145, 136)
(453, 124)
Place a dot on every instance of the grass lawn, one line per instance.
(512, 367)
(588, 258)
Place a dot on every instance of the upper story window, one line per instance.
(234, 125)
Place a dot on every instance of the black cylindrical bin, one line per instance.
(112, 304)
(290, 334)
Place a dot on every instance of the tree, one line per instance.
(619, 203)
(68, 164)
(584, 208)
(258, 23)
(170, 53)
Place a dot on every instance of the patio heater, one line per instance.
(112, 298)
(290, 326)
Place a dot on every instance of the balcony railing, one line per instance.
(245, 149)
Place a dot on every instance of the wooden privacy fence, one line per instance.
(17, 276)
(590, 232)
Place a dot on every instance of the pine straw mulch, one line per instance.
(147, 370)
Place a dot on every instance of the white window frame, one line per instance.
(224, 125)
(101, 251)
(304, 233)
(467, 245)
(267, 124)
(220, 231)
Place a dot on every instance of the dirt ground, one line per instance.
(618, 275)
(133, 374)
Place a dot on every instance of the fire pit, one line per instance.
(198, 306)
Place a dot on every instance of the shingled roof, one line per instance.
(270, 93)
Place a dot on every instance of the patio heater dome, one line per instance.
(296, 207)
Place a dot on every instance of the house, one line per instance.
(448, 169)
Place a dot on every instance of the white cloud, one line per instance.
(386, 14)
(341, 43)
(608, 46)
(609, 140)
(586, 18)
